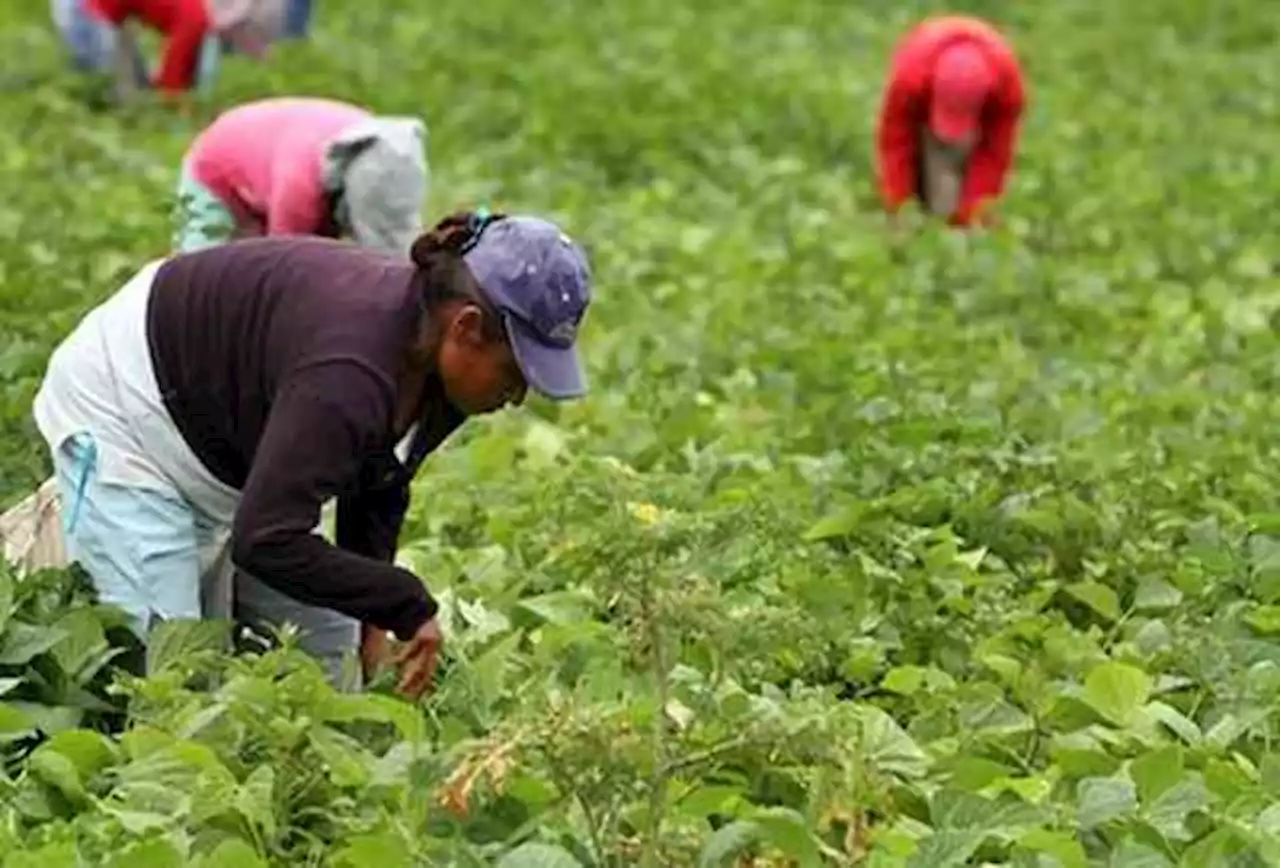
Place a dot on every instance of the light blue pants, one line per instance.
(93, 42)
(154, 556)
(202, 219)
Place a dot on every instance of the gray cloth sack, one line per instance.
(378, 171)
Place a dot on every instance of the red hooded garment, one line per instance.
(907, 105)
(185, 23)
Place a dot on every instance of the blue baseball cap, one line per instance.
(539, 280)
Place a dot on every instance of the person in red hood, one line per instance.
(948, 124)
(98, 35)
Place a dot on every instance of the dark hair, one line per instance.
(443, 276)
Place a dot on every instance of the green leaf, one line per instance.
(6, 595)
(727, 843)
(57, 855)
(57, 771)
(256, 799)
(49, 719)
(1117, 691)
(84, 640)
(1064, 848)
(909, 680)
(1264, 620)
(887, 746)
(968, 772)
(838, 524)
(554, 607)
(386, 850)
(1131, 854)
(89, 752)
(543, 444)
(1156, 595)
(948, 848)
(704, 800)
(170, 643)
(1101, 800)
(1176, 721)
(787, 830)
(346, 708)
(1226, 731)
(235, 853)
(14, 723)
(1033, 790)
(1080, 755)
(23, 642)
(137, 822)
(537, 855)
(1156, 771)
(1223, 848)
(1097, 597)
(155, 853)
(348, 765)
(956, 809)
(1006, 668)
(1168, 812)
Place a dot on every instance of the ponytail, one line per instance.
(443, 275)
(452, 236)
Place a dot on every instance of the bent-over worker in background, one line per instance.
(304, 166)
(949, 120)
(99, 36)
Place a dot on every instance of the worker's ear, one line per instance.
(469, 327)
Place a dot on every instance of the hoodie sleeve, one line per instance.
(898, 139)
(324, 420)
(181, 55)
(369, 523)
(991, 161)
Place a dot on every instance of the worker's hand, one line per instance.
(181, 103)
(375, 651)
(899, 223)
(981, 215)
(417, 659)
(987, 217)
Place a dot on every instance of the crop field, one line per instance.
(904, 550)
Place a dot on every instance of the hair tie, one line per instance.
(480, 219)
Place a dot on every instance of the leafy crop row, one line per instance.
(932, 550)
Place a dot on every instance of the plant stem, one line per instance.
(706, 755)
(661, 764)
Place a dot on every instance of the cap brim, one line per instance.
(551, 371)
(952, 126)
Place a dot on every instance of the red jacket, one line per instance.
(905, 108)
(185, 23)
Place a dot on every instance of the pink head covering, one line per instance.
(962, 80)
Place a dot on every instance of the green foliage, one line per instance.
(925, 551)
(55, 656)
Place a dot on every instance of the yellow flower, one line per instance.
(645, 513)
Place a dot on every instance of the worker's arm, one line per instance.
(989, 166)
(323, 423)
(368, 523)
(181, 57)
(898, 143)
